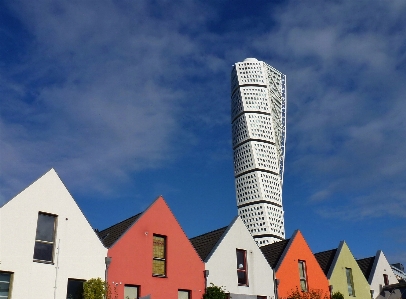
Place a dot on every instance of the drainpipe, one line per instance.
(57, 266)
(107, 261)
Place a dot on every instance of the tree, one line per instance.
(95, 288)
(311, 294)
(215, 292)
(337, 295)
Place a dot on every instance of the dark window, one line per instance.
(131, 291)
(75, 289)
(350, 282)
(183, 294)
(386, 279)
(45, 238)
(242, 273)
(159, 256)
(5, 282)
(261, 297)
(302, 275)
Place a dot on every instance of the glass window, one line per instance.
(350, 282)
(45, 237)
(183, 294)
(302, 275)
(386, 279)
(159, 256)
(130, 292)
(242, 267)
(5, 281)
(75, 289)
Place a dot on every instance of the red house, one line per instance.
(151, 255)
(295, 266)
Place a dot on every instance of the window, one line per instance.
(242, 273)
(261, 297)
(5, 282)
(302, 275)
(131, 292)
(75, 289)
(183, 294)
(45, 238)
(159, 256)
(350, 282)
(386, 279)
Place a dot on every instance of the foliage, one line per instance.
(311, 294)
(215, 292)
(337, 295)
(95, 288)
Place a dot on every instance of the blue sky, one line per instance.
(129, 100)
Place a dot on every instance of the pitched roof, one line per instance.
(204, 244)
(111, 234)
(273, 252)
(325, 258)
(366, 265)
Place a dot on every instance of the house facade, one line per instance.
(151, 256)
(343, 272)
(295, 266)
(47, 247)
(235, 262)
(378, 272)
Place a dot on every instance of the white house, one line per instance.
(47, 246)
(234, 261)
(378, 272)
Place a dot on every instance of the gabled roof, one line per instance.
(366, 265)
(274, 251)
(325, 259)
(111, 234)
(204, 244)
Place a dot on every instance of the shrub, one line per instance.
(95, 288)
(337, 295)
(311, 294)
(215, 292)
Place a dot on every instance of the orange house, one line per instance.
(295, 266)
(152, 257)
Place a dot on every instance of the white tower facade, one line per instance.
(258, 117)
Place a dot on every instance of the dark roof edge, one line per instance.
(334, 262)
(285, 251)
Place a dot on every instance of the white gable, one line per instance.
(78, 253)
(222, 264)
(380, 267)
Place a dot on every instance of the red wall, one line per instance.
(132, 257)
(288, 271)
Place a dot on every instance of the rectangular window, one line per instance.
(5, 283)
(183, 294)
(131, 292)
(75, 288)
(386, 279)
(45, 238)
(261, 297)
(302, 275)
(242, 272)
(159, 256)
(350, 282)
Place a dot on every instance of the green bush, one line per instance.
(215, 292)
(95, 288)
(337, 295)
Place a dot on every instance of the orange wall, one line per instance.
(288, 271)
(132, 257)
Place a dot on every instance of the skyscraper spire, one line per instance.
(258, 117)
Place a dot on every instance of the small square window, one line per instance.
(5, 284)
(131, 291)
(75, 288)
(183, 294)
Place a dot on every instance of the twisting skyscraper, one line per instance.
(258, 117)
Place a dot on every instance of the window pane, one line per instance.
(75, 289)
(183, 294)
(45, 227)
(4, 284)
(43, 251)
(158, 267)
(242, 277)
(130, 292)
(303, 285)
(301, 270)
(349, 281)
(159, 247)
(241, 259)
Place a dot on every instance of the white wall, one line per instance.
(81, 254)
(381, 266)
(222, 264)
